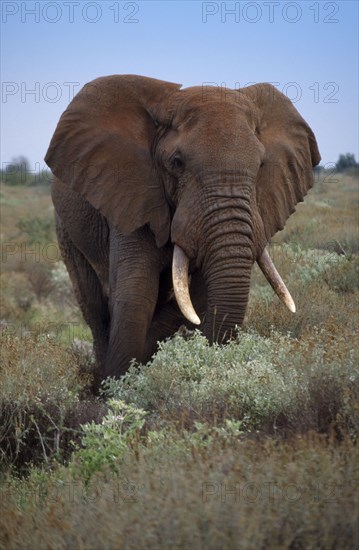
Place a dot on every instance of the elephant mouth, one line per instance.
(180, 279)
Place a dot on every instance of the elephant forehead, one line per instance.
(217, 122)
(218, 108)
(205, 94)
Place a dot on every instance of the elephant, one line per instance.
(164, 199)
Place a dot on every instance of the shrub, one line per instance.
(39, 399)
(103, 444)
(314, 264)
(266, 384)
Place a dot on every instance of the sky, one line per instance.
(307, 49)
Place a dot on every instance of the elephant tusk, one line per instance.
(180, 285)
(275, 280)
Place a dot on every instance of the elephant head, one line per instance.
(214, 171)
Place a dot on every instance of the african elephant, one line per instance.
(149, 176)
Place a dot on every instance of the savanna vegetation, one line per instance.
(249, 445)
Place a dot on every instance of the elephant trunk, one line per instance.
(227, 259)
(227, 298)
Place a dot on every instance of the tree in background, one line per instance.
(346, 162)
(16, 171)
(19, 172)
(19, 163)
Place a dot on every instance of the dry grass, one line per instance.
(328, 215)
(40, 407)
(249, 494)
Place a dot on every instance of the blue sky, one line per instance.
(50, 49)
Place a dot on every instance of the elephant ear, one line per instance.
(291, 152)
(102, 145)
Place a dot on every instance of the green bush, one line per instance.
(314, 264)
(103, 444)
(265, 383)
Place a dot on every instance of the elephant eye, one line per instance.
(177, 162)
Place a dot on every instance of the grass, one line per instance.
(170, 494)
(248, 445)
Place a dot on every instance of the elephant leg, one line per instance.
(90, 296)
(167, 320)
(135, 266)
